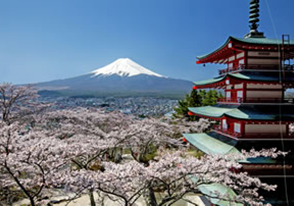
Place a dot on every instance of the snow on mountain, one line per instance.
(124, 67)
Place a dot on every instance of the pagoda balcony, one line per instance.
(269, 100)
(225, 132)
(255, 100)
(264, 135)
(252, 67)
(229, 100)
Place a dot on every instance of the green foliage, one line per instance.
(182, 109)
(197, 98)
(150, 154)
(210, 98)
(145, 153)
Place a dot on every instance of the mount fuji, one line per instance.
(121, 78)
(125, 68)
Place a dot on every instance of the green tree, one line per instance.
(182, 108)
(210, 98)
(192, 100)
(197, 98)
(203, 95)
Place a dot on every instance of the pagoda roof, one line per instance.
(247, 145)
(247, 112)
(216, 144)
(210, 81)
(264, 41)
(233, 44)
(263, 76)
(209, 145)
(213, 143)
(218, 189)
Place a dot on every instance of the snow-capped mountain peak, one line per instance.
(123, 67)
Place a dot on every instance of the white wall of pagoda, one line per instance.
(242, 129)
(235, 60)
(262, 54)
(239, 86)
(231, 126)
(263, 58)
(263, 62)
(265, 128)
(263, 86)
(270, 59)
(253, 91)
(264, 94)
(264, 91)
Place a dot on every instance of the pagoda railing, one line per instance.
(269, 100)
(225, 132)
(264, 135)
(260, 67)
(254, 100)
(229, 100)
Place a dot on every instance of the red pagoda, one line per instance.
(255, 112)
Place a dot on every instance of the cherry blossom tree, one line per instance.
(140, 137)
(174, 175)
(17, 101)
(181, 126)
(99, 143)
(144, 137)
(30, 161)
(124, 183)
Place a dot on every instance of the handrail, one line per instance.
(234, 100)
(255, 100)
(260, 67)
(268, 135)
(269, 100)
(218, 129)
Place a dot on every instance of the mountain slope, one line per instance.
(120, 78)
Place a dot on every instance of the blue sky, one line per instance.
(42, 40)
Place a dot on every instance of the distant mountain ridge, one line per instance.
(122, 77)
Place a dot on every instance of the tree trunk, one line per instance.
(151, 197)
(92, 200)
(32, 201)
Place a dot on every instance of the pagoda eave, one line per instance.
(258, 113)
(205, 116)
(209, 145)
(234, 46)
(218, 56)
(222, 84)
(241, 120)
(267, 78)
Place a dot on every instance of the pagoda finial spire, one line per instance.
(253, 20)
(254, 14)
